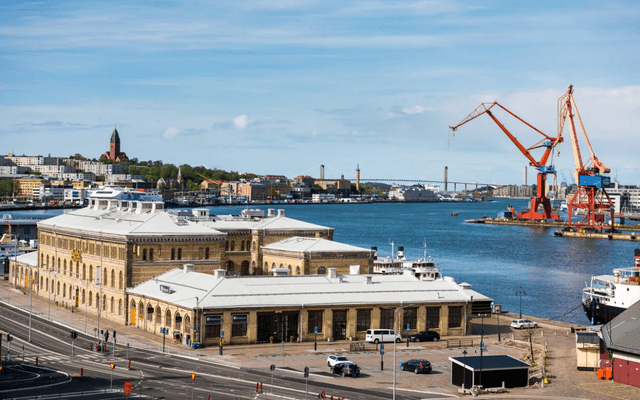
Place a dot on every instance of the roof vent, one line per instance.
(220, 273)
(332, 273)
(369, 280)
(354, 270)
(281, 212)
(271, 212)
(189, 268)
(281, 271)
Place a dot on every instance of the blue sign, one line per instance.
(482, 345)
(408, 328)
(221, 334)
(316, 330)
(382, 349)
(400, 363)
(127, 346)
(283, 343)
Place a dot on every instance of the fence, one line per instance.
(460, 343)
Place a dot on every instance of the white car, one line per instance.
(523, 323)
(335, 359)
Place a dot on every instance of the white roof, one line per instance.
(30, 258)
(152, 223)
(287, 291)
(280, 223)
(315, 245)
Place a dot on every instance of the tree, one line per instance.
(6, 187)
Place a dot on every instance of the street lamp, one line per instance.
(394, 347)
(464, 370)
(520, 293)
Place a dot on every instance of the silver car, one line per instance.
(523, 323)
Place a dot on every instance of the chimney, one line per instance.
(189, 268)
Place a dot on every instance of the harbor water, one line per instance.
(497, 261)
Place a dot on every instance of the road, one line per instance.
(152, 375)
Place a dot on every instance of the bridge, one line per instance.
(445, 183)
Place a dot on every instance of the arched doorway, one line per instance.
(133, 313)
(244, 268)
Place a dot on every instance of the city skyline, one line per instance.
(282, 88)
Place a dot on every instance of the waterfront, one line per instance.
(496, 260)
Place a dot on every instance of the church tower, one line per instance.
(115, 145)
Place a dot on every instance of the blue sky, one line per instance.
(280, 87)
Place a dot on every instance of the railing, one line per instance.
(359, 346)
(460, 343)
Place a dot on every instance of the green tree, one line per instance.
(6, 187)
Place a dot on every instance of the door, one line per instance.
(339, 324)
(77, 296)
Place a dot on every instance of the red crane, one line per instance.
(548, 143)
(591, 195)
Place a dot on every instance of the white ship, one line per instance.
(120, 193)
(10, 246)
(423, 268)
(610, 295)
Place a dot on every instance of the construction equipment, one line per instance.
(591, 195)
(548, 143)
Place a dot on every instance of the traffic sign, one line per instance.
(408, 328)
(113, 365)
(193, 377)
(315, 330)
(272, 367)
(382, 349)
(306, 372)
(221, 334)
(400, 363)
(127, 387)
(9, 337)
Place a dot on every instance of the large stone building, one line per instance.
(290, 308)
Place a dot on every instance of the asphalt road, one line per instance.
(152, 375)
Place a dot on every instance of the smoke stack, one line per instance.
(321, 172)
(400, 252)
(375, 252)
(446, 178)
(358, 178)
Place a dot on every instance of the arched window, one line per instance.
(158, 315)
(64, 290)
(173, 254)
(226, 246)
(132, 315)
(167, 320)
(91, 273)
(113, 304)
(232, 246)
(242, 246)
(187, 323)
(58, 265)
(322, 271)
(144, 254)
(113, 278)
(104, 302)
(266, 268)
(84, 271)
(90, 298)
(149, 312)
(105, 275)
(84, 296)
(41, 282)
(65, 267)
(178, 324)
(150, 254)
(179, 253)
(98, 301)
(47, 282)
(119, 306)
(298, 270)
(120, 279)
(77, 269)
(58, 288)
(206, 253)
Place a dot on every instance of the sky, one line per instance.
(281, 87)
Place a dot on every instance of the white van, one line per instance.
(382, 335)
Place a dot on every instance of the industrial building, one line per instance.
(621, 337)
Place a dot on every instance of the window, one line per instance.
(233, 246)
(150, 310)
(178, 324)
(106, 275)
(173, 254)
(90, 299)
(410, 318)
(120, 279)
(322, 271)
(65, 267)
(158, 315)
(315, 319)
(433, 317)
(386, 318)
(84, 296)
(90, 272)
(98, 300)
(84, 271)
(238, 325)
(206, 253)
(455, 316)
(113, 305)
(150, 254)
(364, 320)
(120, 307)
(212, 324)
(113, 278)
(144, 254)
(226, 246)
(242, 246)
(179, 253)
(104, 303)
(168, 319)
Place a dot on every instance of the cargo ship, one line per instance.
(610, 295)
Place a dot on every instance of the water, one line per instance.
(496, 260)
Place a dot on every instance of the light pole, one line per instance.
(30, 303)
(464, 370)
(395, 316)
(520, 292)
(195, 316)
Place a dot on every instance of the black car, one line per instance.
(417, 366)
(425, 336)
(346, 369)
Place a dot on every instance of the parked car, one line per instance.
(335, 359)
(417, 366)
(346, 368)
(382, 335)
(425, 336)
(523, 323)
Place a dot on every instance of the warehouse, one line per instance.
(489, 371)
(290, 308)
(621, 337)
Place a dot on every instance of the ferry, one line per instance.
(610, 295)
(10, 246)
(423, 268)
(120, 193)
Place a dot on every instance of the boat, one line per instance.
(423, 268)
(610, 295)
(10, 246)
(454, 214)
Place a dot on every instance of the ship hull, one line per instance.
(601, 314)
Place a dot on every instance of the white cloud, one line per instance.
(171, 132)
(416, 109)
(242, 121)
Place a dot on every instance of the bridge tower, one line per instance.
(446, 178)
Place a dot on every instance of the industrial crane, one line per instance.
(591, 195)
(548, 143)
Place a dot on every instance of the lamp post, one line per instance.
(394, 347)
(195, 316)
(520, 293)
(464, 370)
(30, 303)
